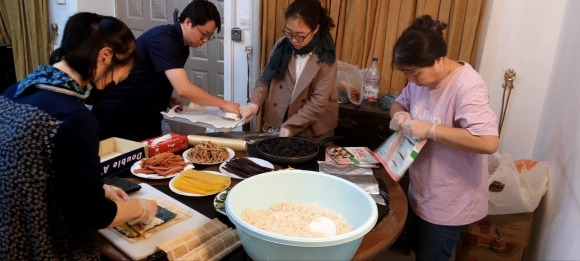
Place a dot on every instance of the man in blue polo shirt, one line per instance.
(131, 110)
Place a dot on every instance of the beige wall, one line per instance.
(516, 37)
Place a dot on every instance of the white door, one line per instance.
(205, 67)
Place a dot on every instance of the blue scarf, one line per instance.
(50, 78)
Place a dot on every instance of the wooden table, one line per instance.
(379, 239)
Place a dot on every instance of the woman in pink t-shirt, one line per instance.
(446, 102)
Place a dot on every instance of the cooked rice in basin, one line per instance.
(293, 219)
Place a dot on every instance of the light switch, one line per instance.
(244, 23)
(61, 2)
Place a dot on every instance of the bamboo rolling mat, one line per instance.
(211, 241)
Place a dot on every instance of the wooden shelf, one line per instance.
(367, 127)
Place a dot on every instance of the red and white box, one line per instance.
(171, 142)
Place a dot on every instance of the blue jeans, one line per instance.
(430, 241)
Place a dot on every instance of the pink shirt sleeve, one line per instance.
(473, 111)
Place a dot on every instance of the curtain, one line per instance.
(4, 36)
(369, 28)
(27, 29)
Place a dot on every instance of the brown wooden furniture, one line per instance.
(379, 239)
(368, 127)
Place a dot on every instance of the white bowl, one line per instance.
(327, 191)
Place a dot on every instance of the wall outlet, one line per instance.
(236, 34)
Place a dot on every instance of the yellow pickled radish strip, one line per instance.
(197, 188)
(200, 182)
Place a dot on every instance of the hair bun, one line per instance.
(425, 22)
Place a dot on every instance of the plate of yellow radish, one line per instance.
(195, 183)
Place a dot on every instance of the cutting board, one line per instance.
(146, 247)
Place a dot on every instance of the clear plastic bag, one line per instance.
(516, 186)
(349, 83)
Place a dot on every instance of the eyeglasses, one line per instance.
(299, 38)
(205, 36)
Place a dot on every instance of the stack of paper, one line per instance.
(207, 117)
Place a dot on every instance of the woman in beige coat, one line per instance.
(296, 88)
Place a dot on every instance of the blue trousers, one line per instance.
(430, 241)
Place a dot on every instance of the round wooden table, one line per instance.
(379, 239)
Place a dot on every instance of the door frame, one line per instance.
(235, 56)
(229, 13)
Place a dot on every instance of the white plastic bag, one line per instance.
(524, 183)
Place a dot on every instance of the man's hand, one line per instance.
(231, 107)
(176, 101)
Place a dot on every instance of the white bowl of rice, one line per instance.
(300, 215)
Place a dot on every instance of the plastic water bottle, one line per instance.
(371, 85)
(165, 127)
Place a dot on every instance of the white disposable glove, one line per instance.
(284, 132)
(398, 119)
(114, 193)
(149, 211)
(249, 111)
(418, 129)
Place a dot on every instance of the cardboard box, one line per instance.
(496, 237)
(476, 248)
(119, 154)
(171, 142)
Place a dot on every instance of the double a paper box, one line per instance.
(119, 154)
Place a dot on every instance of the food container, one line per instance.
(327, 191)
(171, 142)
(307, 149)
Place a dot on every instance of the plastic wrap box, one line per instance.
(496, 237)
(119, 154)
(171, 142)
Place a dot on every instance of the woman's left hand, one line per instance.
(284, 132)
(249, 111)
(418, 129)
(114, 193)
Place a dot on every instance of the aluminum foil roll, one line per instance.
(234, 144)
